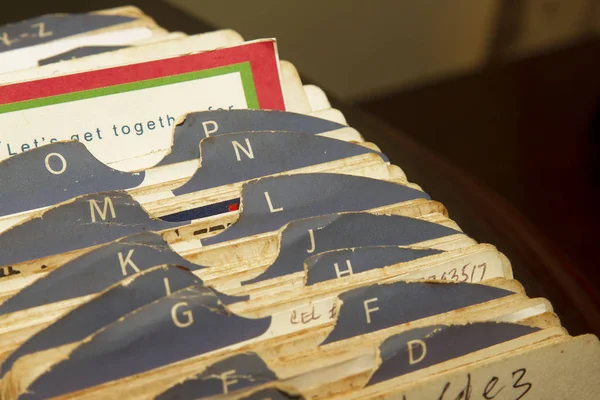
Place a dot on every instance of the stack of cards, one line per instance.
(180, 218)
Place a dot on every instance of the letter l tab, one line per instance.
(273, 210)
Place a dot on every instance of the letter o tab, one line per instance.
(52, 170)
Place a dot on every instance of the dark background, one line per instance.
(512, 150)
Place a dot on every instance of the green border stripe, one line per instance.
(249, 88)
(243, 68)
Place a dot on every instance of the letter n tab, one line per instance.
(246, 150)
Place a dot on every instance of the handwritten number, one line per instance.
(467, 273)
(333, 312)
(489, 388)
(444, 391)
(8, 271)
(484, 265)
(464, 394)
(6, 40)
(42, 33)
(454, 275)
(305, 317)
(518, 384)
(464, 274)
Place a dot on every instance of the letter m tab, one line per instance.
(102, 212)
